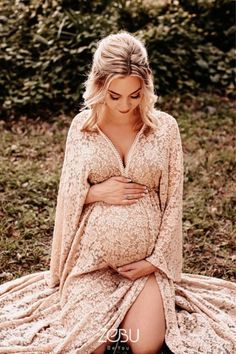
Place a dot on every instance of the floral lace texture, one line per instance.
(70, 307)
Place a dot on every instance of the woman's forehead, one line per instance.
(125, 85)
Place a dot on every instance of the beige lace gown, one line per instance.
(71, 307)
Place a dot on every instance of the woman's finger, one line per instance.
(129, 201)
(135, 187)
(133, 197)
(135, 191)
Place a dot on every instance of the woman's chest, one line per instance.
(122, 144)
(145, 158)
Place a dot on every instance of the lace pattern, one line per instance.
(70, 307)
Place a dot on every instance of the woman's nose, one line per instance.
(125, 105)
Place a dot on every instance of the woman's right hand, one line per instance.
(116, 189)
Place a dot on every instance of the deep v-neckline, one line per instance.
(127, 158)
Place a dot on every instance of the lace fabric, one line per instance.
(71, 307)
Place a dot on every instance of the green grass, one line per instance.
(32, 155)
(207, 125)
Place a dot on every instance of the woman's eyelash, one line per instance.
(116, 98)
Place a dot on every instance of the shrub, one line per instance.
(47, 47)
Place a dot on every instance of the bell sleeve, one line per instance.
(167, 253)
(72, 192)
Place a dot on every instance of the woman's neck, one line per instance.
(109, 118)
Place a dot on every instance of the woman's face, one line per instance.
(123, 95)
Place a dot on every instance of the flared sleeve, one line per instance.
(167, 253)
(73, 188)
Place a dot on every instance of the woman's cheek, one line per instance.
(137, 103)
(112, 104)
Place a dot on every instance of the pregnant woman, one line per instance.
(116, 258)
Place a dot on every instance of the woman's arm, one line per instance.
(167, 253)
(72, 191)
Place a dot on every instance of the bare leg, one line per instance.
(101, 349)
(146, 315)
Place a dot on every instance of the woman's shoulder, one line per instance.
(166, 123)
(165, 118)
(74, 131)
(80, 117)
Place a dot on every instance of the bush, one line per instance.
(47, 48)
(192, 47)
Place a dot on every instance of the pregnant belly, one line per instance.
(123, 233)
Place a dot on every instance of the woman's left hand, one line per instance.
(136, 270)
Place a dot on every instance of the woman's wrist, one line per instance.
(94, 194)
(151, 266)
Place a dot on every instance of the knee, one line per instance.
(100, 350)
(146, 348)
(145, 351)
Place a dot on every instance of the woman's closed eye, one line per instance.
(133, 97)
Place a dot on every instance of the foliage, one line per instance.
(193, 50)
(47, 47)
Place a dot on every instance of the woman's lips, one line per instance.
(124, 111)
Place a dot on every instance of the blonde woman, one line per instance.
(116, 259)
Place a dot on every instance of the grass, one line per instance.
(32, 154)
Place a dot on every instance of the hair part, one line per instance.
(117, 56)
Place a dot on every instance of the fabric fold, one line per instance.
(167, 253)
(72, 192)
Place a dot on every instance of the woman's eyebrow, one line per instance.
(129, 95)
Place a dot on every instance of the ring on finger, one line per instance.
(129, 196)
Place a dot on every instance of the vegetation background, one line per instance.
(46, 52)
